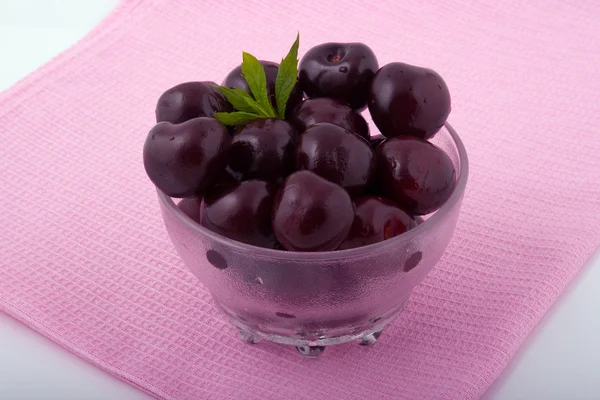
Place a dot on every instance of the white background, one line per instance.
(560, 360)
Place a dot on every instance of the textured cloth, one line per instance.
(85, 259)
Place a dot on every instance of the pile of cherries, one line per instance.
(316, 180)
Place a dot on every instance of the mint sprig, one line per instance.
(236, 117)
(242, 101)
(258, 105)
(255, 76)
(287, 77)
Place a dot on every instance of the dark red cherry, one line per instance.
(235, 79)
(190, 100)
(311, 214)
(416, 174)
(340, 70)
(376, 219)
(228, 177)
(338, 155)
(185, 159)
(263, 149)
(408, 100)
(325, 109)
(241, 212)
(376, 141)
(191, 207)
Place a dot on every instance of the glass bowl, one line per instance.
(313, 300)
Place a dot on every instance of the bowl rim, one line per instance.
(336, 254)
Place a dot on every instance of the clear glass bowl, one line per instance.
(312, 300)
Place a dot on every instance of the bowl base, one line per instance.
(310, 351)
(315, 346)
(367, 339)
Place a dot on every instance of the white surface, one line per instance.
(560, 361)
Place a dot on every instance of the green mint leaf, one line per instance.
(236, 117)
(241, 100)
(287, 77)
(254, 73)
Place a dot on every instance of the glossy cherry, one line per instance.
(183, 160)
(191, 207)
(241, 212)
(340, 70)
(408, 100)
(416, 174)
(235, 79)
(227, 177)
(190, 100)
(376, 219)
(338, 155)
(376, 141)
(325, 109)
(311, 214)
(263, 149)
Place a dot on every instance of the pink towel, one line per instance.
(85, 259)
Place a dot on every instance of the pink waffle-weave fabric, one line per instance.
(85, 260)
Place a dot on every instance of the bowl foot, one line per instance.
(310, 351)
(248, 337)
(369, 339)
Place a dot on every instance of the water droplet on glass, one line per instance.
(285, 315)
(413, 261)
(343, 69)
(216, 259)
